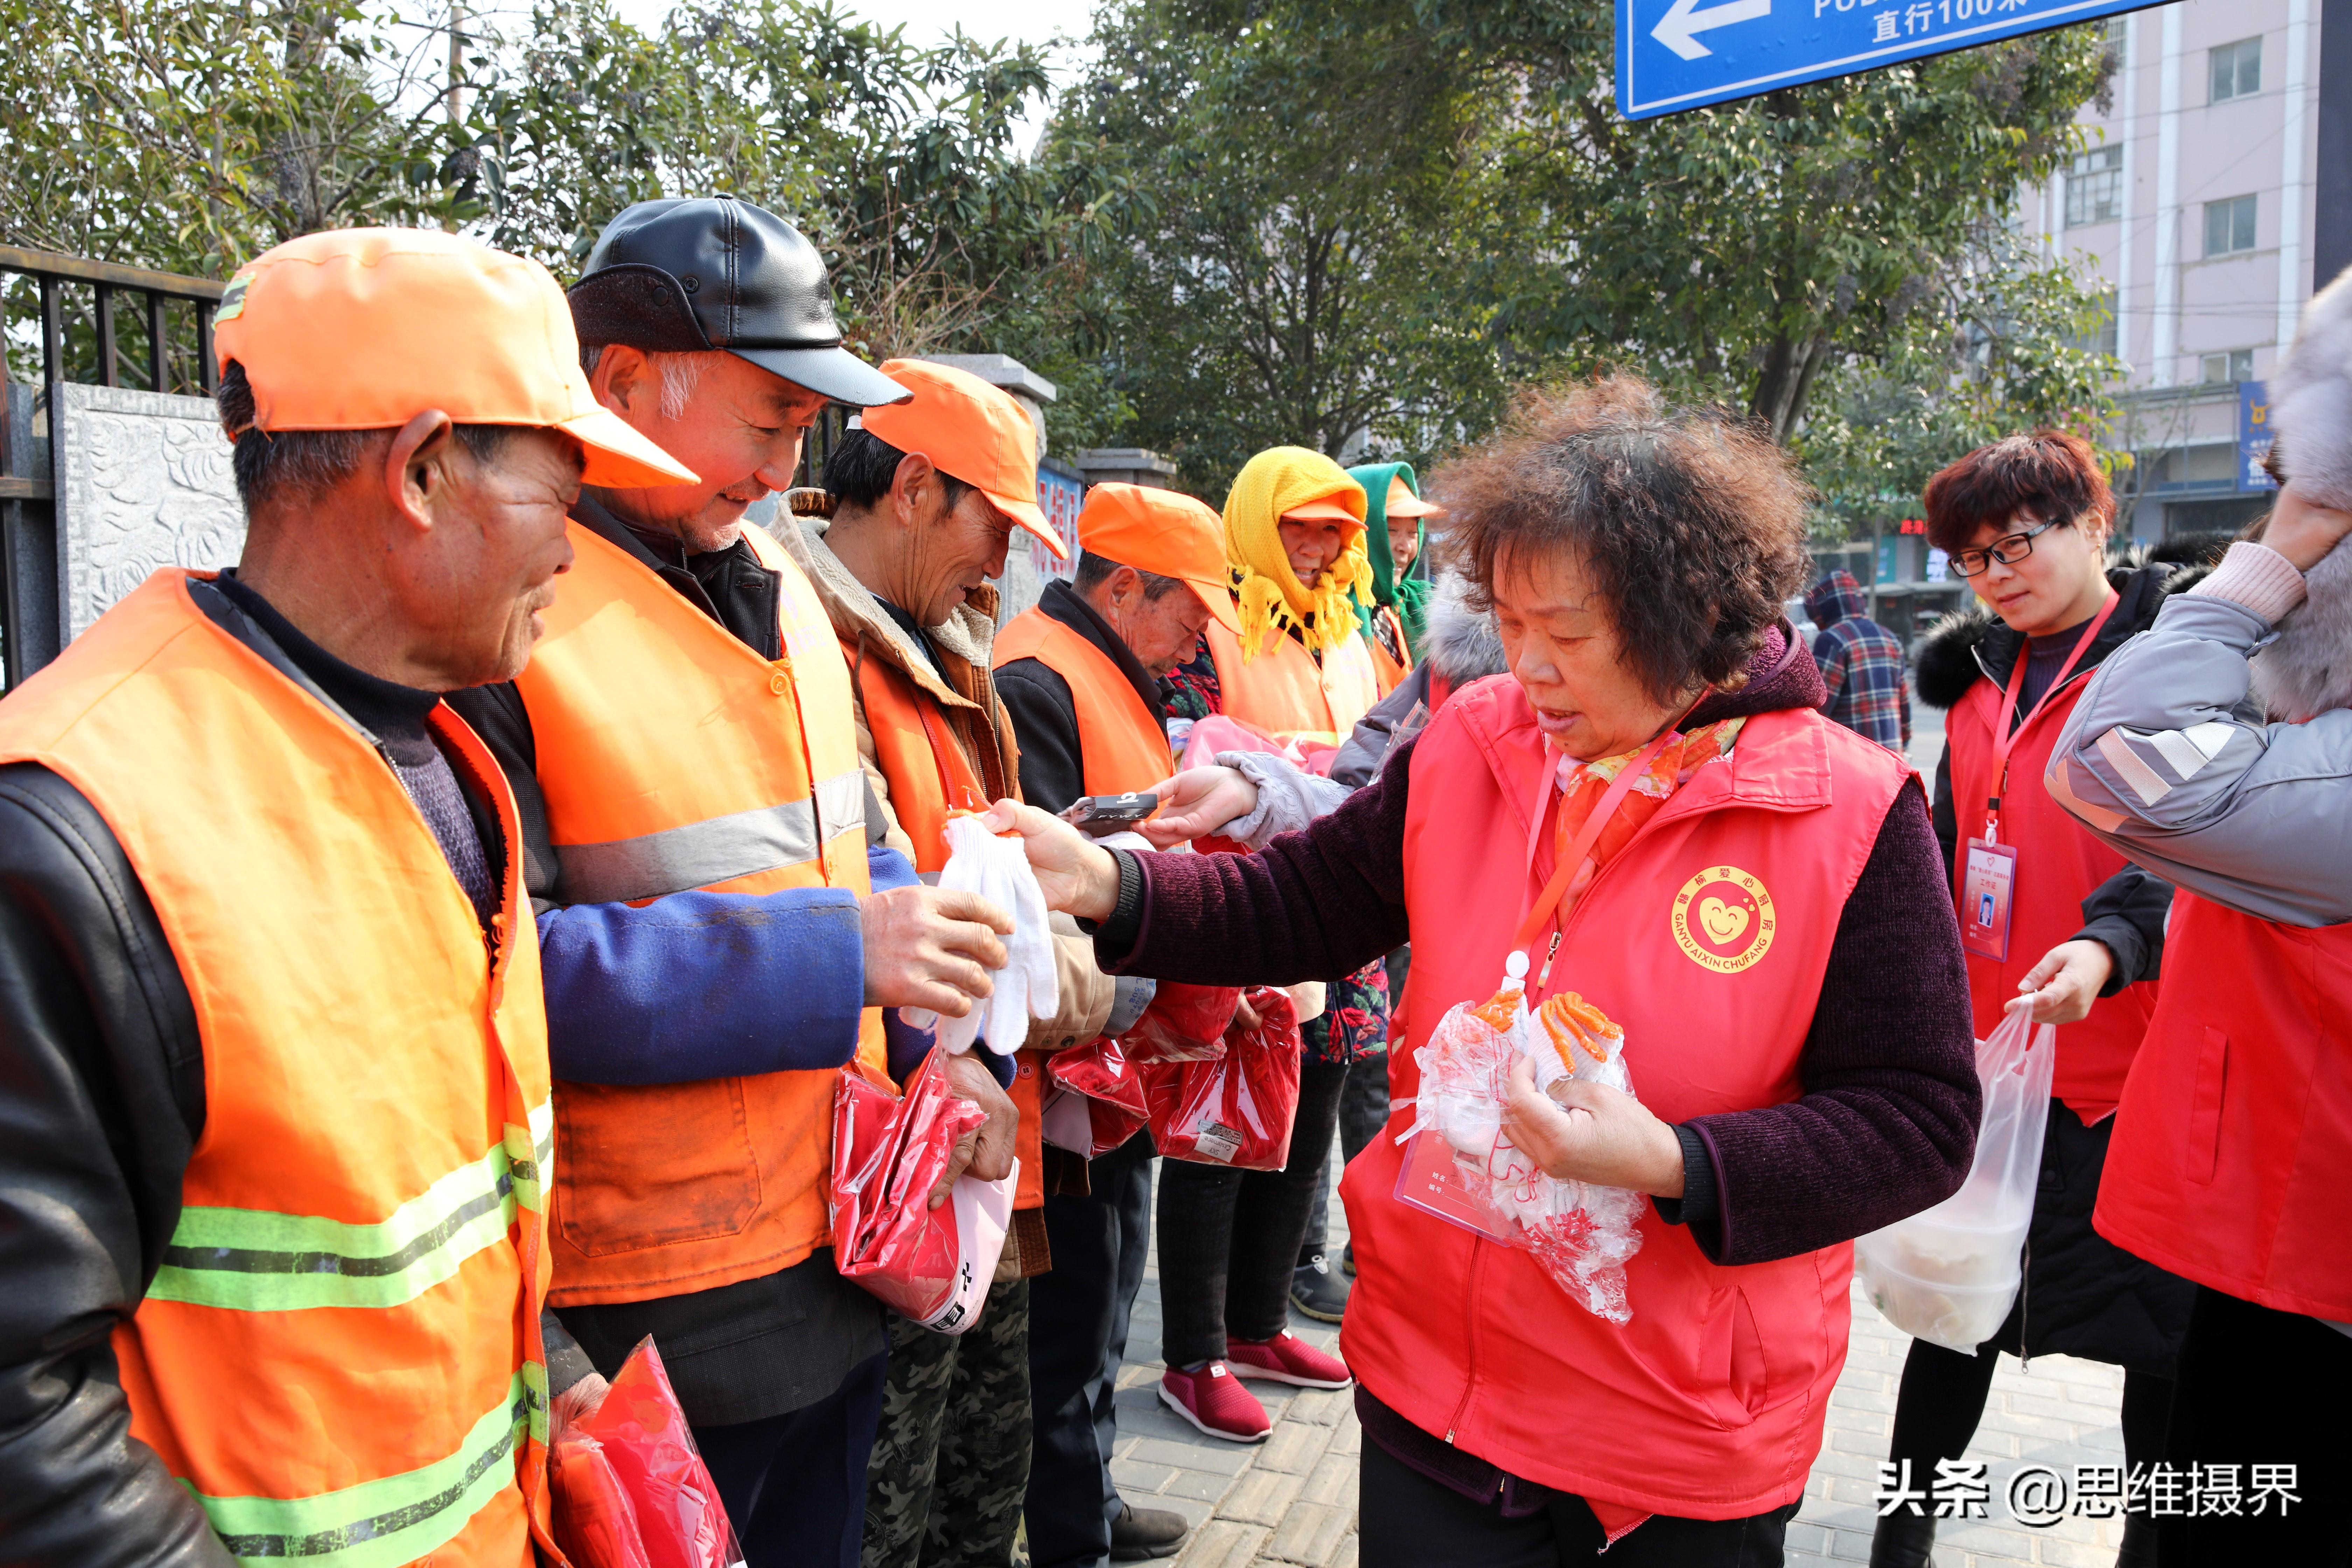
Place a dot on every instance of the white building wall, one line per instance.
(2179, 303)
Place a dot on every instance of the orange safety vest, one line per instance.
(1388, 668)
(343, 1340)
(673, 757)
(1709, 1404)
(1122, 744)
(929, 776)
(1284, 692)
(2059, 865)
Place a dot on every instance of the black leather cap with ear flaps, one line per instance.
(711, 272)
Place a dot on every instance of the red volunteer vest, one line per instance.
(2058, 866)
(2232, 1152)
(1709, 1404)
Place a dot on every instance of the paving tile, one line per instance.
(1310, 1533)
(1293, 1447)
(1260, 1497)
(1224, 1458)
(1221, 1543)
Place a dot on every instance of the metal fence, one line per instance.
(79, 302)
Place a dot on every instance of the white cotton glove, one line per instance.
(998, 870)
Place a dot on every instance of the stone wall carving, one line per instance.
(144, 483)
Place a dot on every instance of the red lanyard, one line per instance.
(1586, 836)
(2005, 735)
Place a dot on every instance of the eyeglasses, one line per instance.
(2009, 551)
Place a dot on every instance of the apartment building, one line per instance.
(2194, 202)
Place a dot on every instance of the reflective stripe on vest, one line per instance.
(262, 1260)
(1284, 692)
(717, 849)
(1122, 745)
(387, 1522)
(376, 1126)
(1707, 937)
(673, 757)
(2058, 866)
(2233, 1148)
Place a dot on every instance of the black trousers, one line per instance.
(2258, 1386)
(794, 1485)
(1942, 1399)
(1408, 1520)
(1229, 1240)
(1078, 1337)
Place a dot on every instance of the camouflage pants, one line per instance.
(952, 1460)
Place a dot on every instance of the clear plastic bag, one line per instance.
(998, 870)
(629, 1488)
(1949, 1275)
(933, 1265)
(1236, 1108)
(1184, 1023)
(1094, 1100)
(1582, 1233)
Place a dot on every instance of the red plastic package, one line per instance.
(1093, 1101)
(629, 1488)
(1236, 1110)
(933, 1265)
(1184, 1023)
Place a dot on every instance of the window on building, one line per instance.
(2098, 336)
(2095, 187)
(2238, 364)
(2238, 69)
(2230, 226)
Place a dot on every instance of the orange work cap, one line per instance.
(1322, 511)
(363, 329)
(1403, 502)
(1165, 534)
(971, 431)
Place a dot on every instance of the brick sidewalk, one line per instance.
(1292, 1499)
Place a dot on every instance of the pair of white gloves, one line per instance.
(998, 870)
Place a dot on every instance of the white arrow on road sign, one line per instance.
(1675, 28)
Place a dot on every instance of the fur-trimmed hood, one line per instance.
(1972, 645)
(1463, 645)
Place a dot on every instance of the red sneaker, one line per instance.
(1286, 1358)
(1214, 1401)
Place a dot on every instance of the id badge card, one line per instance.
(1987, 891)
(1431, 1182)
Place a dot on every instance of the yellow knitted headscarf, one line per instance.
(1270, 593)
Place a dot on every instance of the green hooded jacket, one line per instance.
(1409, 595)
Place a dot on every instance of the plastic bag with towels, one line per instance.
(1949, 1275)
(629, 1488)
(1094, 1098)
(933, 1264)
(997, 868)
(1469, 1173)
(1236, 1108)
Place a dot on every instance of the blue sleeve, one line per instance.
(887, 869)
(703, 986)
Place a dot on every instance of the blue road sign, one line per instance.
(1675, 55)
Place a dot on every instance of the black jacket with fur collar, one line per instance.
(2127, 912)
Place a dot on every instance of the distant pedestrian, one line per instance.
(1862, 663)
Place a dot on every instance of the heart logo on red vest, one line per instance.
(1723, 919)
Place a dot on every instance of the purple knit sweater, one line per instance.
(1888, 1120)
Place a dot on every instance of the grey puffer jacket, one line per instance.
(2168, 757)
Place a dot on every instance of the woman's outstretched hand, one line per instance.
(1196, 802)
(1077, 877)
(2061, 987)
(1597, 1134)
